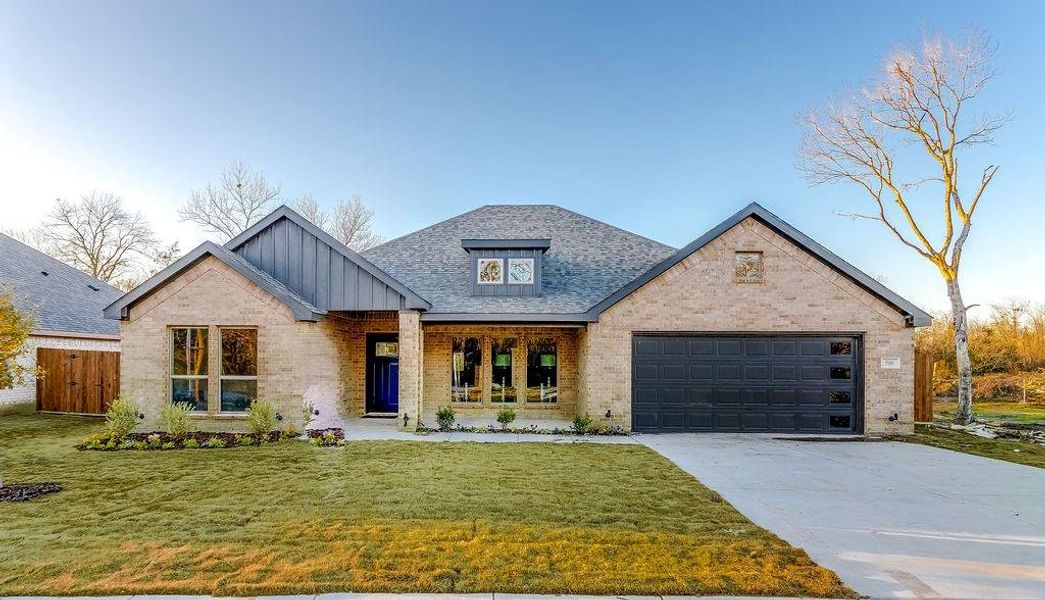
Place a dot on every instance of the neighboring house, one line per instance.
(751, 327)
(65, 302)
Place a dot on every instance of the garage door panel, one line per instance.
(745, 383)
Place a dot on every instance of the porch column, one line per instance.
(411, 357)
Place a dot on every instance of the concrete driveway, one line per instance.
(894, 520)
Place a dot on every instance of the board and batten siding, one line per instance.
(506, 289)
(316, 271)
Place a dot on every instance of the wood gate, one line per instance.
(923, 387)
(77, 381)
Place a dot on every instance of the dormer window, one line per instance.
(506, 267)
(520, 271)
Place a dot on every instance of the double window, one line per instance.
(238, 367)
(503, 382)
(189, 367)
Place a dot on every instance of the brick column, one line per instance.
(411, 355)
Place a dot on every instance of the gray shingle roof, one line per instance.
(61, 300)
(587, 261)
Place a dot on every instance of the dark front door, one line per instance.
(382, 373)
(780, 383)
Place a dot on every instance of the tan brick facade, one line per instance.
(437, 365)
(325, 362)
(296, 360)
(799, 295)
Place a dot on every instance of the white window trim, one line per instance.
(479, 271)
(520, 260)
(222, 377)
(170, 366)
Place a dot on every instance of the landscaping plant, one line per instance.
(582, 423)
(505, 416)
(121, 418)
(445, 417)
(176, 419)
(261, 417)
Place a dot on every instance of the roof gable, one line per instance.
(65, 300)
(302, 309)
(915, 316)
(319, 268)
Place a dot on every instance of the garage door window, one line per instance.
(841, 373)
(841, 348)
(542, 371)
(465, 370)
(839, 397)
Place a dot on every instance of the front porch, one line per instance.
(395, 365)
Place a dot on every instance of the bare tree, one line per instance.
(309, 208)
(920, 99)
(239, 199)
(96, 235)
(351, 221)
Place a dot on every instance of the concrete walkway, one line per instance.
(894, 520)
(361, 429)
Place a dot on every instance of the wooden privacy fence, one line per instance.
(923, 387)
(77, 381)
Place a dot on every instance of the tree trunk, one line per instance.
(963, 415)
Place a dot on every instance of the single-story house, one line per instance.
(751, 327)
(67, 306)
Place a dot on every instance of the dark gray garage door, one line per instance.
(745, 383)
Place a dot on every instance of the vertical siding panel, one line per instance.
(351, 285)
(294, 236)
(308, 268)
(323, 275)
(337, 281)
(366, 290)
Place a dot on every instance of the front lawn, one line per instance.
(1008, 412)
(1025, 453)
(376, 516)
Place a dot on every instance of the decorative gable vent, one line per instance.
(506, 267)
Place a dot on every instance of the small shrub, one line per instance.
(261, 417)
(505, 416)
(215, 442)
(582, 423)
(176, 419)
(121, 418)
(308, 412)
(126, 445)
(191, 443)
(316, 441)
(286, 434)
(445, 417)
(153, 441)
(168, 446)
(246, 441)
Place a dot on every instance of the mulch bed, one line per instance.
(21, 492)
(159, 440)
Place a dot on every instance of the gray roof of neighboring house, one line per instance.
(587, 261)
(61, 299)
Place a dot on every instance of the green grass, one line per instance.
(1024, 453)
(376, 516)
(1014, 412)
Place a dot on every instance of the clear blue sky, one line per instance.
(660, 117)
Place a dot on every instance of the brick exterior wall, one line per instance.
(296, 360)
(26, 394)
(799, 295)
(436, 382)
